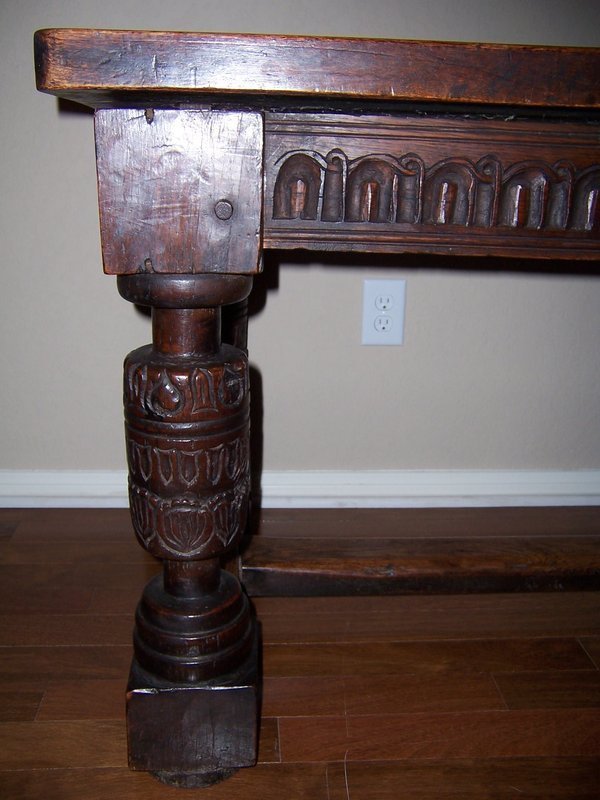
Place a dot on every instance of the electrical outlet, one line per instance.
(383, 312)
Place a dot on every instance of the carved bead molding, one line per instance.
(439, 185)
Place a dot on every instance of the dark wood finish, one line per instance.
(194, 677)
(416, 618)
(419, 651)
(180, 191)
(406, 163)
(436, 184)
(423, 551)
(330, 566)
(427, 523)
(116, 67)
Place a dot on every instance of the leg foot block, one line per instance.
(193, 735)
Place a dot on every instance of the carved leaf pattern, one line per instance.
(188, 526)
(200, 393)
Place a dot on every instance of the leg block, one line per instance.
(193, 735)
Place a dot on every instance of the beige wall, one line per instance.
(498, 371)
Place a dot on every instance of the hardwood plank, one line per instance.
(385, 658)
(345, 619)
(479, 734)
(394, 694)
(464, 656)
(83, 700)
(118, 601)
(9, 520)
(59, 630)
(290, 660)
(269, 751)
(299, 696)
(74, 524)
(41, 588)
(55, 551)
(263, 782)
(118, 575)
(20, 700)
(579, 689)
(52, 745)
(592, 648)
(69, 663)
(399, 687)
(467, 779)
(11, 517)
(427, 523)
(330, 566)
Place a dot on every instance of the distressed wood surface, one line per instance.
(329, 552)
(102, 67)
(330, 566)
(179, 191)
(436, 184)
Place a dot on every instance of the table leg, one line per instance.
(192, 701)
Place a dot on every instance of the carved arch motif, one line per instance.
(586, 201)
(458, 192)
(370, 190)
(382, 188)
(297, 188)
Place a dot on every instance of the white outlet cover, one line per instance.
(383, 299)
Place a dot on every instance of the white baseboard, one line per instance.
(326, 489)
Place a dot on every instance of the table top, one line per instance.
(116, 68)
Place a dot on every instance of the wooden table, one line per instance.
(212, 148)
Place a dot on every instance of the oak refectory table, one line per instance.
(212, 148)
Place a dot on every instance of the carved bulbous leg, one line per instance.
(192, 698)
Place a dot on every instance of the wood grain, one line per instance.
(263, 782)
(50, 588)
(426, 657)
(60, 630)
(74, 663)
(427, 523)
(52, 745)
(342, 551)
(97, 66)
(463, 697)
(417, 693)
(330, 566)
(20, 700)
(83, 699)
(467, 779)
(592, 647)
(373, 619)
(566, 689)
(79, 525)
(160, 183)
(497, 734)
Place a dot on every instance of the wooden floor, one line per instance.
(464, 696)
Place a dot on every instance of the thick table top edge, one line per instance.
(105, 67)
